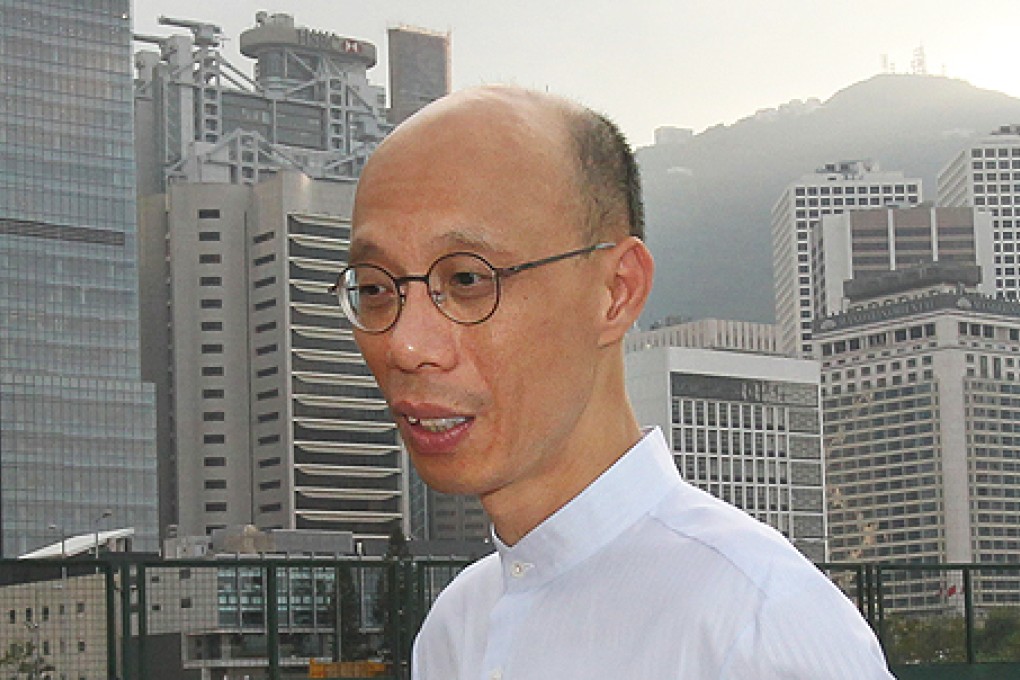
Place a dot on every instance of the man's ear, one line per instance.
(628, 282)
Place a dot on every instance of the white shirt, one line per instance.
(644, 577)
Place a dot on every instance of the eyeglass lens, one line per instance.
(463, 286)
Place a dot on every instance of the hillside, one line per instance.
(709, 200)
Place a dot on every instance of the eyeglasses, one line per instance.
(463, 286)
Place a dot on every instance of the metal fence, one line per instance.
(273, 619)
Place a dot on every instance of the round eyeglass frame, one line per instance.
(400, 284)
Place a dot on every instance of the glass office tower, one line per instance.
(77, 423)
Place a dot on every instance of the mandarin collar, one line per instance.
(617, 499)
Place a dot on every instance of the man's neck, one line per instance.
(516, 510)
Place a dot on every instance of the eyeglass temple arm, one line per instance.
(507, 271)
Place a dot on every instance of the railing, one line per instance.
(940, 620)
(136, 618)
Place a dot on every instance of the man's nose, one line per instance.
(422, 337)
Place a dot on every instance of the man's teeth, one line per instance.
(436, 424)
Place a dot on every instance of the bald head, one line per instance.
(531, 133)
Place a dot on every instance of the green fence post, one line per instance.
(337, 613)
(879, 606)
(272, 623)
(143, 622)
(111, 622)
(125, 621)
(968, 613)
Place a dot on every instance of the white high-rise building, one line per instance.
(986, 176)
(268, 415)
(832, 189)
(272, 418)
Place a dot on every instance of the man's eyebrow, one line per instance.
(360, 250)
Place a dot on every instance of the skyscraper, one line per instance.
(919, 391)
(419, 69)
(269, 415)
(832, 189)
(986, 176)
(76, 420)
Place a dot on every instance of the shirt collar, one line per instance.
(617, 499)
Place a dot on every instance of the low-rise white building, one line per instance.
(745, 427)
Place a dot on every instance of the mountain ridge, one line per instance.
(709, 200)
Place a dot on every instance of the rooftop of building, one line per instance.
(915, 278)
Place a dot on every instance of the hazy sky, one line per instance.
(649, 63)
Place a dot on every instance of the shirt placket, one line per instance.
(506, 619)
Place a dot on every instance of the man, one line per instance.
(496, 263)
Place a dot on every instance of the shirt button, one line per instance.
(518, 569)
(496, 674)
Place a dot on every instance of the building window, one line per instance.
(208, 236)
(210, 281)
(214, 484)
(214, 461)
(263, 327)
(269, 439)
(212, 349)
(268, 394)
(267, 281)
(215, 507)
(211, 303)
(266, 349)
(265, 259)
(266, 372)
(269, 417)
(269, 462)
(208, 213)
(209, 258)
(264, 236)
(213, 394)
(265, 304)
(213, 416)
(208, 371)
(212, 325)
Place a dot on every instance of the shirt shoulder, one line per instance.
(797, 612)
(731, 537)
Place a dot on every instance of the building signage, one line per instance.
(746, 390)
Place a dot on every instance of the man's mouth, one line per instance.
(436, 425)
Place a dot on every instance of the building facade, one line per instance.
(744, 336)
(832, 189)
(744, 427)
(420, 65)
(273, 418)
(919, 396)
(309, 108)
(986, 176)
(76, 420)
(269, 415)
(863, 244)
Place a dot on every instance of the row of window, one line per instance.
(880, 339)
(855, 189)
